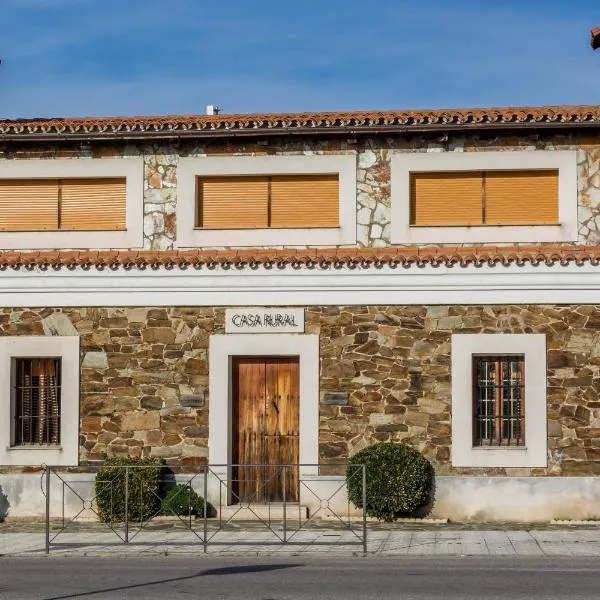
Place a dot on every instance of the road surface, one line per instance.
(298, 578)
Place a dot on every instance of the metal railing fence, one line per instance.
(235, 502)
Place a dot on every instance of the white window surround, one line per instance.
(221, 350)
(130, 168)
(533, 348)
(403, 164)
(191, 168)
(67, 348)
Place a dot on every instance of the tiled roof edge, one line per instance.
(161, 125)
(325, 258)
(596, 38)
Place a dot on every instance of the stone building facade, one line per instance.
(383, 316)
(139, 364)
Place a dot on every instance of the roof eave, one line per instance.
(176, 134)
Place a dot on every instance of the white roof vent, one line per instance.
(212, 109)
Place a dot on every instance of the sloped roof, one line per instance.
(271, 123)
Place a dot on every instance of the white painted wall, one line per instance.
(459, 498)
(513, 284)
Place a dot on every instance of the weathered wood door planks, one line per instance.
(266, 424)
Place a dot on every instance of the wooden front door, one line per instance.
(266, 423)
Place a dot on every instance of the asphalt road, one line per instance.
(287, 578)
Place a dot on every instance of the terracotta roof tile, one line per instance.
(596, 38)
(200, 125)
(323, 257)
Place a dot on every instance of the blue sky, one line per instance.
(124, 57)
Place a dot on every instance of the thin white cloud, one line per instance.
(189, 53)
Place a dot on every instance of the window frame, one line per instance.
(16, 403)
(532, 347)
(130, 168)
(499, 440)
(189, 236)
(403, 164)
(66, 348)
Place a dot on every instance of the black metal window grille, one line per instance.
(499, 400)
(37, 384)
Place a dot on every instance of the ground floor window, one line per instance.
(39, 403)
(499, 400)
(499, 412)
(36, 388)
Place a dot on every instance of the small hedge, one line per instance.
(144, 488)
(399, 480)
(182, 500)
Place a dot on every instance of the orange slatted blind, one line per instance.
(279, 201)
(484, 198)
(446, 198)
(28, 204)
(521, 197)
(305, 201)
(93, 204)
(232, 202)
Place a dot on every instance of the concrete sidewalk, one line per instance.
(393, 542)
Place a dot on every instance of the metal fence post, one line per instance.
(284, 504)
(47, 469)
(205, 538)
(190, 503)
(127, 505)
(364, 503)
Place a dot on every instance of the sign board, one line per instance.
(335, 398)
(264, 320)
(191, 400)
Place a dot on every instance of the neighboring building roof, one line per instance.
(306, 123)
(318, 257)
(596, 38)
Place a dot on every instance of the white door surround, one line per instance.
(222, 348)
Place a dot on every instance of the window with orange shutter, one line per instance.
(77, 204)
(466, 198)
(267, 201)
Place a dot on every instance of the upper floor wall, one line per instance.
(373, 188)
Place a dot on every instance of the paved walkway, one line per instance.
(395, 542)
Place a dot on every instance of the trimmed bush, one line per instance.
(180, 499)
(399, 480)
(144, 488)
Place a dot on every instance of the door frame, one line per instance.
(221, 350)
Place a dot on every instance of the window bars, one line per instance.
(36, 388)
(499, 400)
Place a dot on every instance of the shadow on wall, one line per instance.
(424, 511)
(4, 505)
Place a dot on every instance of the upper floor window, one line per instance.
(62, 204)
(268, 201)
(512, 196)
(528, 197)
(71, 203)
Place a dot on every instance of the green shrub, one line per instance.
(144, 488)
(399, 480)
(180, 499)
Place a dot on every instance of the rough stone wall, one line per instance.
(373, 173)
(139, 365)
